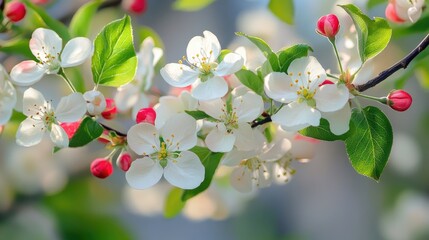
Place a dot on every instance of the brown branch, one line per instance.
(263, 121)
(113, 130)
(399, 65)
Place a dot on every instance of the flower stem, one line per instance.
(332, 40)
(332, 76)
(380, 100)
(69, 83)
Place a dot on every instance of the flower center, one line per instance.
(44, 116)
(162, 152)
(49, 60)
(201, 61)
(306, 90)
(229, 119)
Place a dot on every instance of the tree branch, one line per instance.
(263, 121)
(114, 130)
(399, 65)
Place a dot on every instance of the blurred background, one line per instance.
(45, 196)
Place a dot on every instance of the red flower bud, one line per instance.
(328, 25)
(392, 15)
(101, 168)
(15, 11)
(70, 128)
(110, 111)
(399, 100)
(147, 115)
(124, 161)
(135, 6)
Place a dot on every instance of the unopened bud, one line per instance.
(328, 25)
(392, 15)
(110, 110)
(399, 100)
(146, 115)
(101, 168)
(15, 11)
(135, 6)
(124, 161)
(70, 128)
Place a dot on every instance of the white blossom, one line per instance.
(95, 102)
(7, 97)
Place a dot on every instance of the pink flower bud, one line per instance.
(326, 82)
(124, 161)
(392, 15)
(15, 11)
(328, 25)
(110, 110)
(135, 6)
(399, 100)
(70, 128)
(104, 138)
(101, 168)
(147, 115)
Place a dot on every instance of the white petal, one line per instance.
(30, 133)
(280, 87)
(241, 179)
(126, 97)
(296, 116)
(71, 108)
(215, 108)
(5, 115)
(32, 100)
(207, 46)
(414, 14)
(95, 102)
(234, 157)
(142, 102)
(157, 55)
(242, 52)
(167, 107)
(45, 43)
(180, 132)
(144, 173)
(213, 88)
(331, 97)
(219, 140)
(59, 136)
(339, 120)
(179, 75)
(276, 150)
(248, 107)
(230, 64)
(26, 73)
(143, 139)
(76, 52)
(246, 137)
(189, 102)
(185, 172)
(306, 65)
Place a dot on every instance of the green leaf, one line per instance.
(210, 161)
(114, 62)
(222, 54)
(251, 80)
(198, 114)
(372, 3)
(80, 23)
(88, 131)
(369, 146)
(287, 55)
(17, 45)
(373, 35)
(191, 5)
(50, 22)
(173, 203)
(274, 62)
(261, 44)
(283, 9)
(323, 132)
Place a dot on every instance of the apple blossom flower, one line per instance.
(46, 46)
(304, 94)
(165, 153)
(232, 127)
(95, 102)
(41, 117)
(204, 72)
(7, 97)
(131, 94)
(409, 9)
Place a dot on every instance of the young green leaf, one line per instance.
(372, 3)
(88, 131)
(191, 5)
(283, 9)
(49, 21)
(373, 35)
(369, 146)
(289, 54)
(198, 114)
(251, 80)
(322, 132)
(261, 44)
(114, 62)
(210, 161)
(173, 203)
(80, 23)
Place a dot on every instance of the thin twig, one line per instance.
(114, 130)
(399, 65)
(263, 121)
